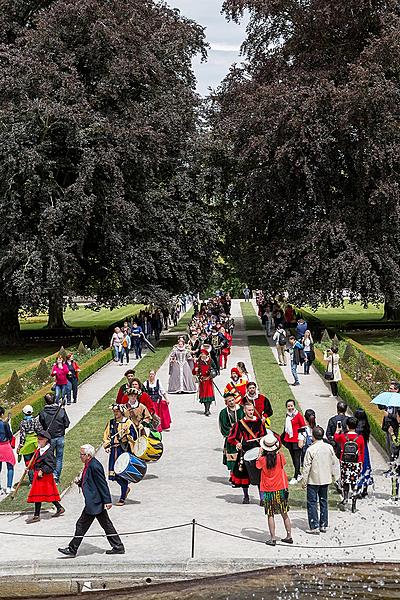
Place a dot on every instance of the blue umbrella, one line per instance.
(387, 399)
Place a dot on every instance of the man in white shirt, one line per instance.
(320, 467)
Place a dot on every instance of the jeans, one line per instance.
(58, 445)
(293, 367)
(10, 473)
(72, 390)
(307, 363)
(317, 493)
(124, 352)
(61, 392)
(117, 353)
(85, 521)
(137, 344)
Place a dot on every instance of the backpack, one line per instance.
(282, 339)
(350, 451)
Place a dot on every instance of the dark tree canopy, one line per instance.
(305, 147)
(98, 165)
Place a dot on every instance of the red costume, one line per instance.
(44, 488)
(226, 350)
(203, 371)
(239, 387)
(262, 406)
(143, 398)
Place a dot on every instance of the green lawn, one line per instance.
(273, 384)
(86, 318)
(383, 344)
(347, 313)
(22, 356)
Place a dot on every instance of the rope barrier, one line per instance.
(98, 535)
(366, 545)
(193, 524)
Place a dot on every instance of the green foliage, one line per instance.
(14, 387)
(43, 371)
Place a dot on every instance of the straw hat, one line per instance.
(270, 442)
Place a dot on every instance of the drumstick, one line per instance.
(27, 469)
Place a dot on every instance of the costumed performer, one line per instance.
(228, 417)
(204, 371)
(237, 385)
(155, 390)
(180, 370)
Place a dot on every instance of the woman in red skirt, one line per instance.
(43, 487)
(226, 348)
(203, 370)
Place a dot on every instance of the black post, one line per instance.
(193, 534)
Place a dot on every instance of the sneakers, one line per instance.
(9, 490)
(271, 542)
(322, 529)
(295, 383)
(299, 477)
(293, 481)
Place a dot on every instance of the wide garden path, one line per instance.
(190, 482)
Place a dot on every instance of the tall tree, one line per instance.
(310, 148)
(98, 181)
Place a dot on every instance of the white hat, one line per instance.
(270, 442)
(27, 410)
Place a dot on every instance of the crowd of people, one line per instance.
(253, 452)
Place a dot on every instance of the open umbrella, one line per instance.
(387, 399)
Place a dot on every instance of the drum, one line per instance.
(250, 458)
(148, 448)
(130, 467)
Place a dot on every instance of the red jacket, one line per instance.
(297, 422)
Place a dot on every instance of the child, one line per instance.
(43, 487)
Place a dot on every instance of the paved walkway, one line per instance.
(191, 482)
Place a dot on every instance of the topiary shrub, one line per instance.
(325, 336)
(43, 371)
(95, 343)
(363, 368)
(82, 348)
(14, 387)
(335, 341)
(62, 352)
(349, 353)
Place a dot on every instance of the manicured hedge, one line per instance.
(356, 397)
(89, 367)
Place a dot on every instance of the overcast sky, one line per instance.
(224, 38)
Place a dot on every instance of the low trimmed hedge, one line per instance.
(36, 400)
(356, 397)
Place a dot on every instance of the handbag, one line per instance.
(328, 375)
(12, 442)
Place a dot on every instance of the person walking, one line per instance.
(55, 420)
(28, 441)
(44, 488)
(292, 439)
(301, 328)
(136, 335)
(389, 420)
(332, 359)
(297, 357)
(274, 486)
(60, 373)
(93, 484)
(116, 344)
(153, 387)
(246, 294)
(126, 346)
(320, 467)
(203, 370)
(119, 436)
(363, 428)
(6, 452)
(395, 464)
(280, 339)
(308, 346)
(72, 383)
(351, 460)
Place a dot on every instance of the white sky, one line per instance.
(224, 38)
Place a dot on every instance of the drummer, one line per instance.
(228, 417)
(262, 405)
(119, 436)
(138, 412)
(245, 435)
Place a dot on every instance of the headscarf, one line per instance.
(288, 422)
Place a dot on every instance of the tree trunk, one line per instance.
(9, 324)
(391, 313)
(56, 311)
